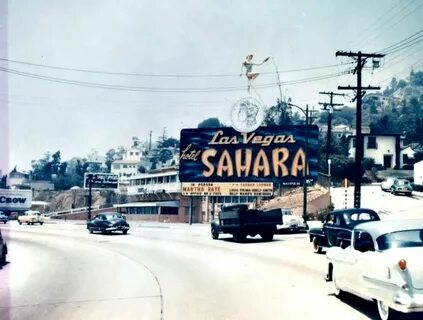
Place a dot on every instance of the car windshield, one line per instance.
(401, 239)
(403, 182)
(113, 216)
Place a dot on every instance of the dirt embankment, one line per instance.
(66, 200)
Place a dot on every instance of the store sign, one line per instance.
(101, 181)
(227, 189)
(13, 199)
(269, 154)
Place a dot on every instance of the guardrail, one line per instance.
(70, 211)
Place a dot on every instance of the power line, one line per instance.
(162, 89)
(159, 75)
(392, 46)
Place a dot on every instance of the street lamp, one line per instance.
(305, 112)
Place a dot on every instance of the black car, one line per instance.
(337, 226)
(108, 222)
(3, 251)
(3, 217)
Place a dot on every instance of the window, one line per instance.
(363, 241)
(131, 153)
(116, 166)
(169, 210)
(354, 142)
(371, 143)
(125, 166)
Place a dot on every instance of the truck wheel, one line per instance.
(267, 236)
(3, 259)
(239, 237)
(316, 247)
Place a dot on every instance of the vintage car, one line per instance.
(387, 183)
(382, 264)
(291, 222)
(31, 217)
(108, 222)
(3, 217)
(401, 186)
(3, 250)
(337, 226)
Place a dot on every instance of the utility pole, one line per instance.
(149, 144)
(360, 91)
(330, 108)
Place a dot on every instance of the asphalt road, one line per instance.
(168, 271)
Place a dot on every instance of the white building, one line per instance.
(128, 166)
(418, 173)
(155, 181)
(385, 149)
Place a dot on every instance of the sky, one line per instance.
(200, 44)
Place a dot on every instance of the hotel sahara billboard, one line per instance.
(274, 154)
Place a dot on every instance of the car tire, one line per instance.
(336, 290)
(3, 259)
(386, 313)
(215, 235)
(90, 230)
(316, 247)
(124, 231)
(19, 222)
(41, 223)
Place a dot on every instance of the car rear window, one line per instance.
(401, 239)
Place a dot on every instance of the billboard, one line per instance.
(101, 180)
(227, 189)
(269, 154)
(15, 200)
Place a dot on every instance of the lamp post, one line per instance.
(306, 113)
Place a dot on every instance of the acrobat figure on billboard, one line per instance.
(248, 65)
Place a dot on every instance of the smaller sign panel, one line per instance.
(258, 189)
(101, 180)
(15, 199)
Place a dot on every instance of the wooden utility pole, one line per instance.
(360, 91)
(330, 108)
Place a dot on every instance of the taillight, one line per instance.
(402, 264)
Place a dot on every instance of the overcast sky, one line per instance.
(174, 38)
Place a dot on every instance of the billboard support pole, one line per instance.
(190, 210)
(90, 187)
(305, 169)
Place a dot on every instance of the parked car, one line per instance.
(291, 222)
(337, 226)
(3, 251)
(108, 222)
(382, 264)
(31, 217)
(402, 186)
(387, 183)
(3, 217)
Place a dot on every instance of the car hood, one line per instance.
(413, 256)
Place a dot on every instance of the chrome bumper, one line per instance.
(405, 303)
(117, 228)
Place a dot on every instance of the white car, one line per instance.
(384, 263)
(386, 184)
(291, 222)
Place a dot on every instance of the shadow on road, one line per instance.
(250, 240)
(369, 309)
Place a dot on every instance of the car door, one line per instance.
(334, 228)
(358, 261)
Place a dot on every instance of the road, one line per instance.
(168, 271)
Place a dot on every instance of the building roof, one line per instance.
(125, 162)
(148, 204)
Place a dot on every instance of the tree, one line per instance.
(169, 143)
(277, 115)
(210, 123)
(3, 182)
(164, 155)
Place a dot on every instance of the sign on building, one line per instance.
(259, 189)
(101, 180)
(15, 200)
(269, 154)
